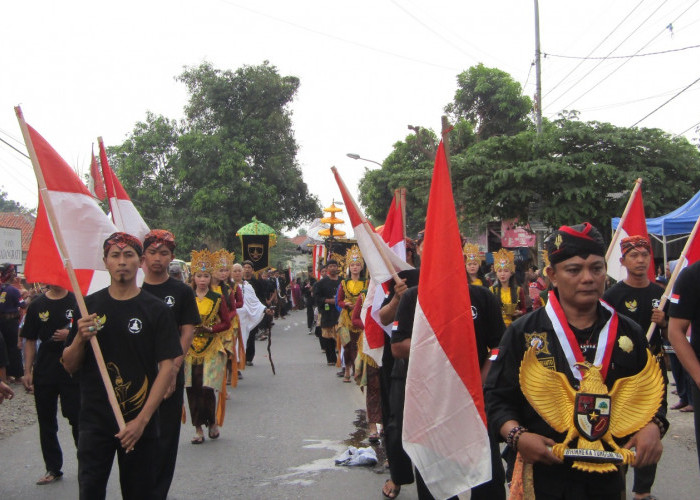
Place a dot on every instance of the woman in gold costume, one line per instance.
(509, 295)
(205, 363)
(472, 262)
(348, 292)
(222, 284)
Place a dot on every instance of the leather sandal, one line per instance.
(393, 492)
(49, 477)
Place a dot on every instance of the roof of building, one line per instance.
(23, 222)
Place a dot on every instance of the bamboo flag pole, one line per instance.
(373, 236)
(403, 210)
(674, 275)
(60, 243)
(616, 236)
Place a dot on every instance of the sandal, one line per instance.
(374, 437)
(687, 409)
(392, 492)
(197, 439)
(346, 380)
(214, 435)
(49, 477)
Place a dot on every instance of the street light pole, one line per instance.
(355, 156)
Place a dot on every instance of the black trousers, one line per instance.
(400, 466)
(96, 451)
(46, 401)
(328, 345)
(169, 420)
(696, 417)
(310, 315)
(9, 331)
(250, 345)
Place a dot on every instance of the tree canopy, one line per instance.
(8, 205)
(232, 157)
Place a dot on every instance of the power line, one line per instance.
(632, 101)
(628, 60)
(594, 49)
(688, 129)
(587, 58)
(601, 62)
(11, 146)
(664, 104)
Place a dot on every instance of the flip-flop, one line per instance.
(394, 492)
(374, 437)
(687, 409)
(214, 436)
(346, 380)
(197, 440)
(49, 477)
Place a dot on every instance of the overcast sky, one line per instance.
(368, 68)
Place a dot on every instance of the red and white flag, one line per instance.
(632, 223)
(392, 234)
(96, 183)
(124, 213)
(82, 223)
(444, 425)
(368, 242)
(319, 252)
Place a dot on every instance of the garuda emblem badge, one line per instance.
(592, 416)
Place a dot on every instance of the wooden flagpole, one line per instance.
(402, 197)
(616, 236)
(674, 275)
(43, 192)
(373, 236)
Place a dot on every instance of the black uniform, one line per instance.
(179, 297)
(488, 328)
(136, 335)
(45, 316)
(327, 288)
(505, 400)
(263, 291)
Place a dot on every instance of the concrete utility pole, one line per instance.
(538, 72)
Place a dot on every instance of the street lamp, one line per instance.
(355, 156)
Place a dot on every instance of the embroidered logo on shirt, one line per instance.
(475, 313)
(135, 325)
(625, 344)
(631, 305)
(538, 341)
(44, 317)
(69, 314)
(2, 297)
(170, 300)
(101, 320)
(655, 303)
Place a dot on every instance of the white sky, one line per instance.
(368, 68)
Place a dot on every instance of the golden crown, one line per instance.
(354, 255)
(545, 258)
(504, 259)
(203, 261)
(223, 258)
(471, 253)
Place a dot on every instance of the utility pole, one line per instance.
(538, 72)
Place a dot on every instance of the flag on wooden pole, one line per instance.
(96, 183)
(444, 425)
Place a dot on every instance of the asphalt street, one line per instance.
(281, 435)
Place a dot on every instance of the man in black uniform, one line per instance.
(571, 322)
(684, 313)
(49, 319)
(138, 338)
(488, 328)
(265, 294)
(638, 298)
(159, 248)
(325, 292)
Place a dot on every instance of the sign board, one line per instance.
(513, 235)
(10, 245)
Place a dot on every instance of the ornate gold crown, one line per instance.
(354, 255)
(504, 259)
(203, 261)
(223, 258)
(471, 253)
(545, 258)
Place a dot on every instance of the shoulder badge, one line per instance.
(625, 344)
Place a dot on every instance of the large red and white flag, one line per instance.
(392, 234)
(369, 242)
(124, 213)
(444, 425)
(81, 221)
(319, 252)
(632, 223)
(96, 183)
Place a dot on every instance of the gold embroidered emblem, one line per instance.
(2, 297)
(625, 344)
(538, 341)
(101, 320)
(129, 403)
(44, 317)
(558, 241)
(631, 305)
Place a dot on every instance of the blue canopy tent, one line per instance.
(677, 224)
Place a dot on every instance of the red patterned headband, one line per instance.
(158, 237)
(122, 240)
(631, 242)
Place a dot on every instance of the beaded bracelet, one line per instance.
(514, 436)
(660, 424)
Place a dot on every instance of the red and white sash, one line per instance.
(569, 343)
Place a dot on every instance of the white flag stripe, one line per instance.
(131, 220)
(615, 269)
(463, 439)
(373, 258)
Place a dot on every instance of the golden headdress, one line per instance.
(354, 255)
(223, 258)
(203, 261)
(504, 259)
(471, 253)
(545, 258)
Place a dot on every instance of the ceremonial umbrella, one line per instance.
(258, 228)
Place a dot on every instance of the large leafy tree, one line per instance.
(8, 205)
(232, 157)
(491, 101)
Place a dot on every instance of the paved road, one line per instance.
(280, 437)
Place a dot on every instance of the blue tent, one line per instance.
(680, 221)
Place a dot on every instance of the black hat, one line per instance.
(580, 240)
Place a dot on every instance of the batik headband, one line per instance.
(122, 240)
(637, 241)
(158, 237)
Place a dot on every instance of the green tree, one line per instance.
(232, 157)
(491, 101)
(8, 205)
